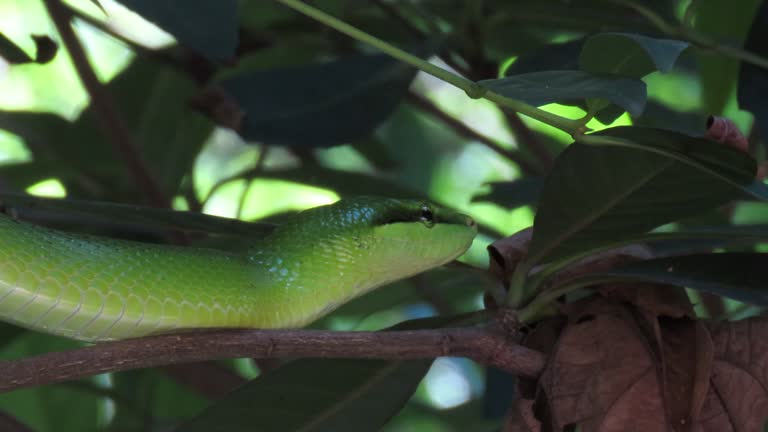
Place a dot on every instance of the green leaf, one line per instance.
(753, 80)
(630, 55)
(153, 101)
(727, 22)
(596, 195)
(316, 395)
(513, 194)
(335, 102)
(207, 27)
(46, 50)
(345, 183)
(321, 394)
(541, 88)
(150, 400)
(147, 217)
(11, 52)
(52, 408)
(734, 275)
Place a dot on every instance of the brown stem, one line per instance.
(467, 132)
(112, 123)
(484, 345)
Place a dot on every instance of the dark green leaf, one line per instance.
(316, 395)
(753, 80)
(561, 56)
(334, 103)
(660, 116)
(150, 400)
(541, 88)
(320, 394)
(11, 52)
(52, 408)
(208, 27)
(734, 275)
(153, 100)
(515, 193)
(147, 217)
(630, 55)
(595, 195)
(345, 183)
(727, 22)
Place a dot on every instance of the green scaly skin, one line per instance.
(94, 289)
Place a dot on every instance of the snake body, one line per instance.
(93, 288)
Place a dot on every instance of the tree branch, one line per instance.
(112, 123)
(485, 345)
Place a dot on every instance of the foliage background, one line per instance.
(396, 134)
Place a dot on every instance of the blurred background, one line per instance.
(431, 141)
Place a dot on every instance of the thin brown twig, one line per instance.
(112, 123)
(467, 132)
(485, 345)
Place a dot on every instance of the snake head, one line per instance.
(388, 238)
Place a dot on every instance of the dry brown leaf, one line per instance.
(738, 396)
(686, 353)
(602, 375)
(507, 253)
(520, 417)
(654, 299)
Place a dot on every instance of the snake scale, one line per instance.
(94, 288)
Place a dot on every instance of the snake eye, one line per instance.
(426, 215)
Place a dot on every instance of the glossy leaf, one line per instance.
(628, 54)
(734, 275)
(595, 195)
(207, 27)
(541, 88)
(334, 103)
(316, 395)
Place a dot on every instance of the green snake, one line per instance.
(95, 288)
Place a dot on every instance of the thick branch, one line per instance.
(484, 345)
(112, 123)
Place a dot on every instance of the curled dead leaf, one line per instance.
(725, 131)
(505, 254)
(602, 375)
(615, 369)
(738, 399)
